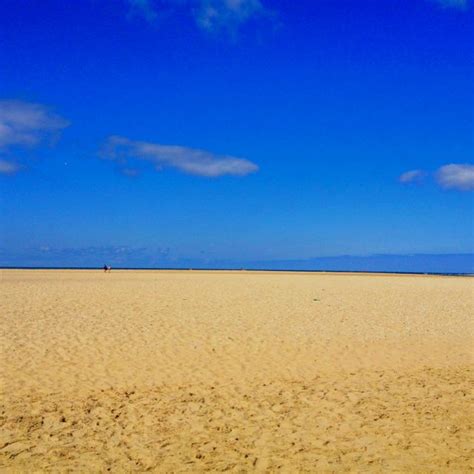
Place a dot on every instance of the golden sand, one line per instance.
(242, 371)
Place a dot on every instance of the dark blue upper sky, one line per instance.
(235, 129)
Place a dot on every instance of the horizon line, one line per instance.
(243, 269)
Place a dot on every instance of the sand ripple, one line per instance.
(191, 371)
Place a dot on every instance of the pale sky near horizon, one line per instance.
(234, 129)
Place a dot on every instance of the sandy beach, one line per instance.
(174, 371)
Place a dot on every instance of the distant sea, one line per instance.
(239, 269)
(435, 264)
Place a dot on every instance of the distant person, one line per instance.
(107, 268)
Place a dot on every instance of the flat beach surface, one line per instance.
(174, 371)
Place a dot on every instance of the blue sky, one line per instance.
(207, 130)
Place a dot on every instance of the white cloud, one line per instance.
(459, 4)
(210, 15)
(189, 160)
(410, 176)
(26, 124)
(456, 176)
(215, 14)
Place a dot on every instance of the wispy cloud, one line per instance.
(456, 176)
(213, 15)
(128, 152)
(452, 176)
(411, 176)
(459, 4)
(209, 15)
(94, 256)
(25, 125)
